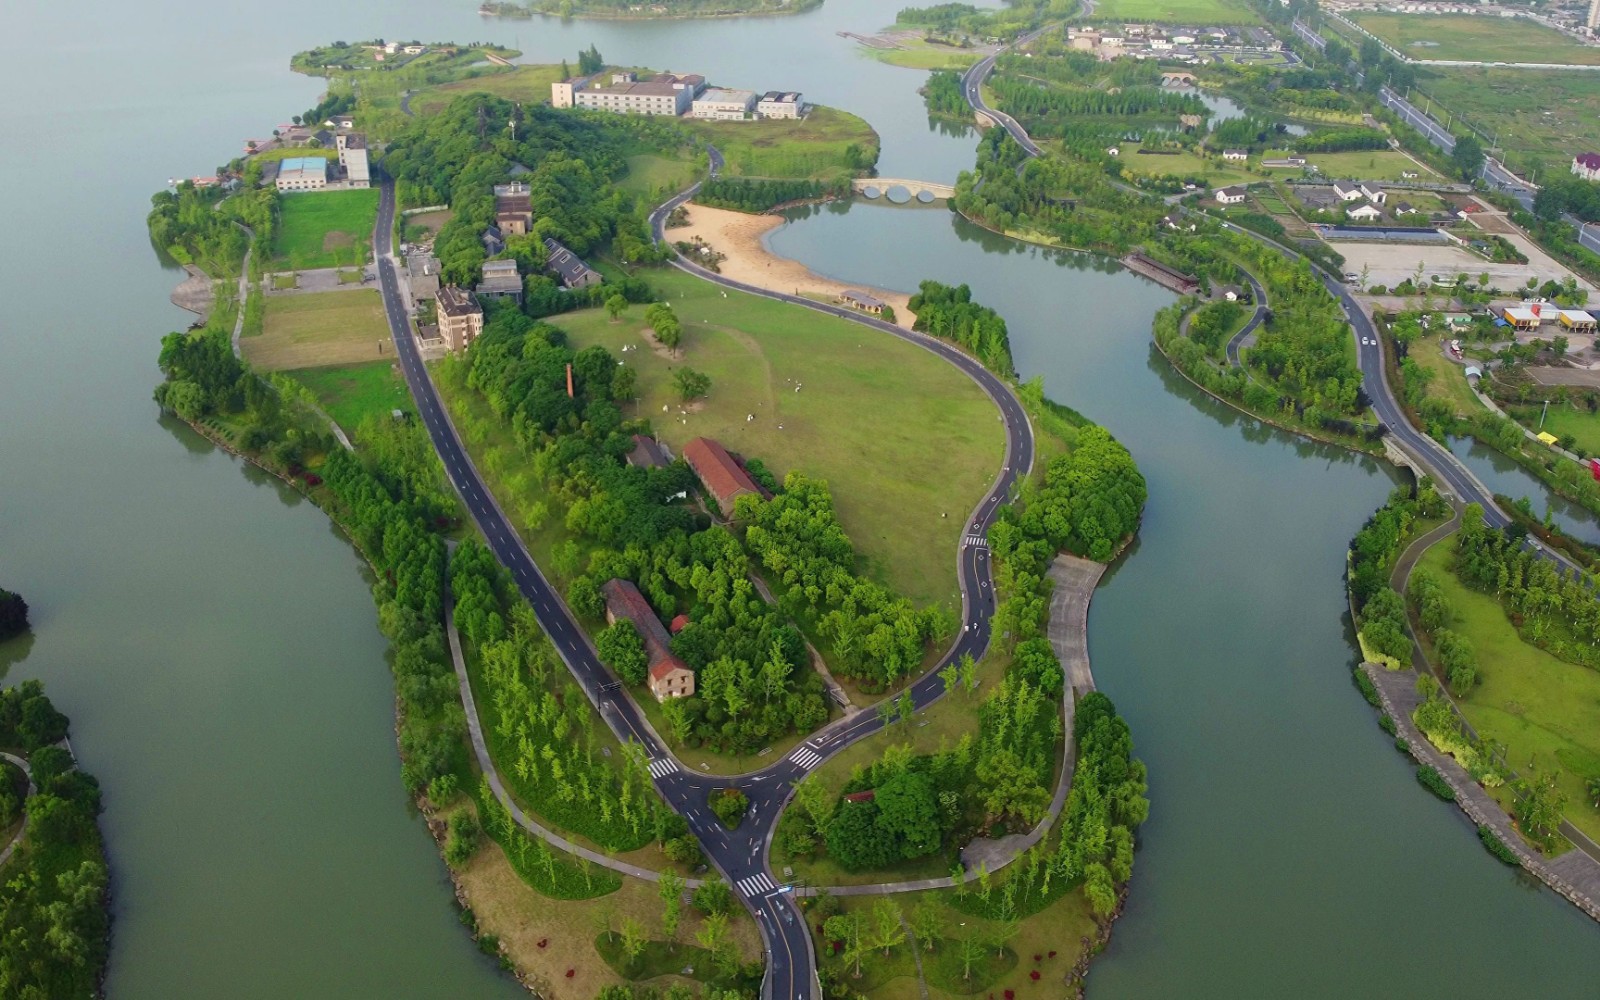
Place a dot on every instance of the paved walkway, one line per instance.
(16, 840)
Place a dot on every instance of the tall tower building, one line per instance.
(1594, 15)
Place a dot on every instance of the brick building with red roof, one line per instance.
(724, 480)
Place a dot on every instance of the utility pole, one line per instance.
(1542, 414)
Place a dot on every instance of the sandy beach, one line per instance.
(749, 261)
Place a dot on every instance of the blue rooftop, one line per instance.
(293, 163)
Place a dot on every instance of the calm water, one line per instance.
(213, 638)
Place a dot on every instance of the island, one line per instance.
(653, 551)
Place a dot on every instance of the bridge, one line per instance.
(923, 191)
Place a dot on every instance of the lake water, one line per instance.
(213, 639)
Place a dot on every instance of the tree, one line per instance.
(1001, 934)
(927, 922)
(815, 798)
(848, 928)
(908, 813)
(713, 897)
(615, 306)
(970, 950)
(621, 648)
(1100, 890)
(1467, 156)
(690, 383)
(713, 937)
(633, 939)
(888, 925)
(590, 61)
(671, 889)
(1539, 802)
(624, 383)
(13, 614)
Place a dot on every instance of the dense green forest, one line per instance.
(184, 226)
(1069, 200)
(744, 195)
(944, 94)
(54, 895)
(951, 314)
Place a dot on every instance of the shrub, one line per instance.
(730, 805)
(1386, 724)
(1494, 845)
(1434, 782)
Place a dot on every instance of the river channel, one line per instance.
(213, 640)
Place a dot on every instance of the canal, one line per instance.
(214, 642)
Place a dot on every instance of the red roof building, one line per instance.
(724, 480)
(670, 677)
(678, 624)
(866, 796)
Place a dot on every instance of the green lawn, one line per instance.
(1474, 37)
(320, 329)
(351, 393)
(529, 83)
(918, 53)
(901, 436)
(1361, 165)
(1543, 709)
(1541, 117)
(649, 174)
(1448, 381)
(813, 146)
(324, 228)
(1186, 12)
(1217, 172)
(1565, 418)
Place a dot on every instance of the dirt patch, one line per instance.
(338, 241)
(741, 238)
(660, 349)
(1493, 223)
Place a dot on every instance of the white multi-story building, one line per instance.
(779, 104)
(724, 105)
(302, 173)
(353, 158)
(626, 94)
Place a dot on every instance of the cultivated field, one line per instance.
(1477, 38)
(901, 436)
(316, 330)
(813, 146)
(324, 229)
(1543, 709)
(351, 393)
(1187, 12)
(1540, 117)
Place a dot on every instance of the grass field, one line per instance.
(520, 83)
(1186, 12)
(918, 53)
(650, 174)
(324, 228)
(900, 436)
(1540, 117)
(1217, 172)
(316, 330)
(1563, 419)
(1477, 38)
(813, 146)
(1448, 381)
(351, 393)
(1543, 709)
(1361, 165)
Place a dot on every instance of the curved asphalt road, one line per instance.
(739, 855)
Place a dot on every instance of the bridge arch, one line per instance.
(925, 192)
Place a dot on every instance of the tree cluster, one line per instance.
(759, 195)
(1457, 660)
(877, 637)
(951, 314)
(184, 226)
(13, 615)
(1340, 140)
(944, 94)
(1044, 110)
(664, 324)
(1090, 502)
(1555, 612)
(1562, 195)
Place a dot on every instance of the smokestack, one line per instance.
(569, 380)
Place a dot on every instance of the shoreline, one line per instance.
(522, 12)
(742, 239)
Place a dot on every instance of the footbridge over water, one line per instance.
(885, 187)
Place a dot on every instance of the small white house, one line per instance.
(1230, 195)
(1374, 194)
(1364, 213)
(1236, 154)
(1113, 151)
(1346, 191)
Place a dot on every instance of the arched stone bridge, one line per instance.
(878, 187)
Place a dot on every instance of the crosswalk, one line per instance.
(661, 767)
(975, 542)
(806, 757)
(756, 885)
